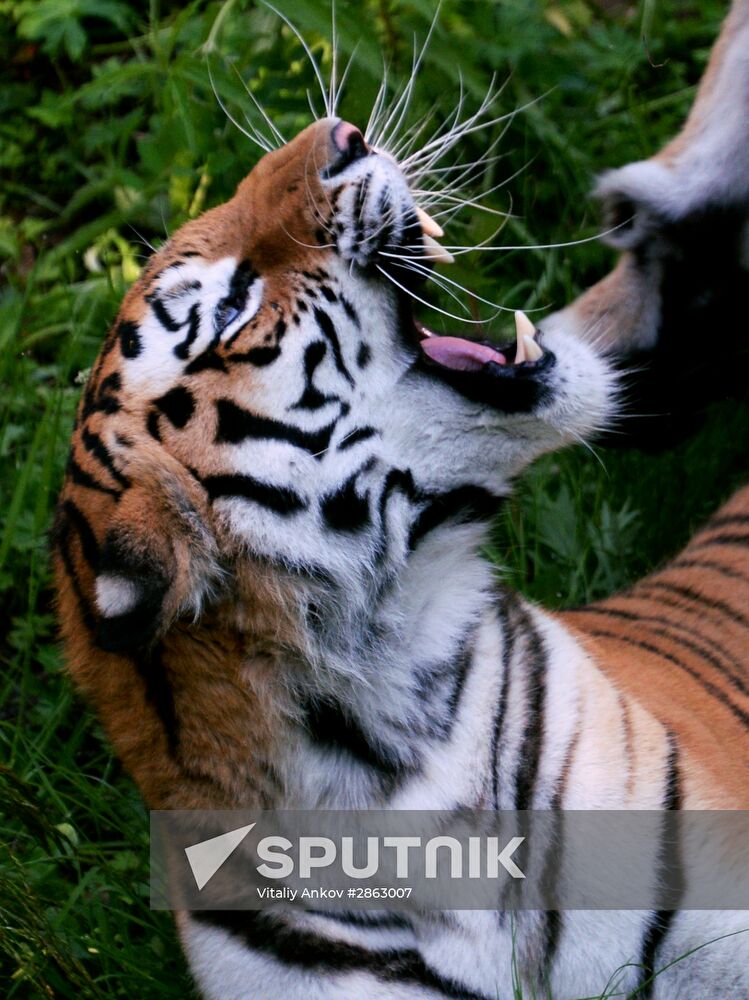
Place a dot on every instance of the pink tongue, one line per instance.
(461, 355)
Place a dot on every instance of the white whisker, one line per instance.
(378, 105)
(309, 246)
(401, 107)
(142, 238)
(457, 250)
(274, 131)
(235, 123)
(423, 269)
(312, 107)
(408, 92)
(334, 61)
(410, 265)
(308, 52)
(442, 130)
(444, 142)
(429, 305)
(460, 203)
(344, 78)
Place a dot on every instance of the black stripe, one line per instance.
(345, 510)
(81, 478)
(363, 355)
(280, 499)
(689, 594)
(258, 356)
(236, 425)
(332, 726)
(130, 340)
(182, 350)
(350, 311)
(465, 503)
(725, 520)
(101, 398)
(530, 749)
(507, 629)
(402, 481)
(308, 951)
(465, 660)
(670, 875)
(162, 314)
(207, 360)
(152, 425)
(716, 692)
(68, 515)
(325, 323)
(726, 571)
(177, 405)
(93, 443)
(152, 669)
(553, 919)
(86, 536)
(693, 646)
(354, 437)
(365, 918)
(312, 398)
(727, 538)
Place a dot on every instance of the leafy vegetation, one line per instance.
(111, 136)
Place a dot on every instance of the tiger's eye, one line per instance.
(226, 313)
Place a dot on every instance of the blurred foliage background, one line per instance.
(111, 136)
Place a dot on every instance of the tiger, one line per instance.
(272, 583)
(680, 222)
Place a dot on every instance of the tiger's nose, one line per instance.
(349, 141)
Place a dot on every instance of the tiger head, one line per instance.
(680, 223)
(268, 375)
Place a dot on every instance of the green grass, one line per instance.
(109, 131)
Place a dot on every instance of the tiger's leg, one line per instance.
(137, 551)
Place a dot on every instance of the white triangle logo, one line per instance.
(206, 858)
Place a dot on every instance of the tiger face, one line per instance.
(271, 338)
(270, 353)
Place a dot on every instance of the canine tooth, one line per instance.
(435, 252)
(520, 348)
(523, 326)
(428, 225)
(532, 351)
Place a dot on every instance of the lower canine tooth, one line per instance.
(428, 226)
(532, 351)
(435, 252)
(520, 349)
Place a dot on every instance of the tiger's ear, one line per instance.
(159, 558)
(636, 200)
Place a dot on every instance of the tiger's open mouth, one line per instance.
(523, 356)
(511, 377)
